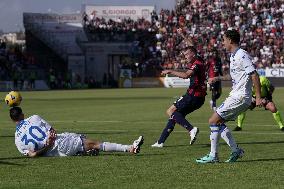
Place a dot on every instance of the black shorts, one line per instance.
(188, 103)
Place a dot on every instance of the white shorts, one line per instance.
(231, 108)
(67, 144)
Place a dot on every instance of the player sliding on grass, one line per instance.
(35, 137)
(191, 101)
(266, 94)
(243, 74)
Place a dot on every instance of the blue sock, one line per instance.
(180, 119)
(167, 131)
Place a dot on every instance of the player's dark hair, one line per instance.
(15, 113)
(233, 35)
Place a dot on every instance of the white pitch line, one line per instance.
(139, 122)
(159, 131)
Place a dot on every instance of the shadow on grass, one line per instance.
(10, 158)
(127, 154)
(179, 145)
(262, 160)
(262, 142)
(188, 145)
(104, 133)
(208, 145)
(11, 163)
(8, 136)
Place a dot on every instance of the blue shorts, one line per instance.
(188, 103)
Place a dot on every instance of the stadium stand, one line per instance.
(260, 22)
(154, 43)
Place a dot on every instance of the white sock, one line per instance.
(228, 137)
(113, 147)
(214, 138)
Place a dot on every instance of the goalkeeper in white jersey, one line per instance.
(35, 137)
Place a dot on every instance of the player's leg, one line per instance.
(240, 120)
(184, 106)
(227, 111)
(94, 145)
(219, 90)
(276, 114)
(168, 129)
(229, 139)
(177, 114)
(213, 100)
(216, 93)
(214, 123)
(231, 108)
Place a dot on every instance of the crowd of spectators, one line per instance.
(18, 67)
(13, 66)
(260, 23)
(141, 33)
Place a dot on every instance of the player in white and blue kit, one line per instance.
(243, 75)
(35, 137)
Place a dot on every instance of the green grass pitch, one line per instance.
(121, 115)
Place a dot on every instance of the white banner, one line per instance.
(274, 72)
(115, 12)
(175, 82)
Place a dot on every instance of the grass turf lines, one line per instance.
(121, 115)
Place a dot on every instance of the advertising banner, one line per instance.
(147, 82)
(125, 78)
(115, 12)
(176, 82)
(274, 72)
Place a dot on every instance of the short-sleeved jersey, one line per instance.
(241, 67)
(264, 87)
(31, 134)
(198, 80)
(214, 67)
